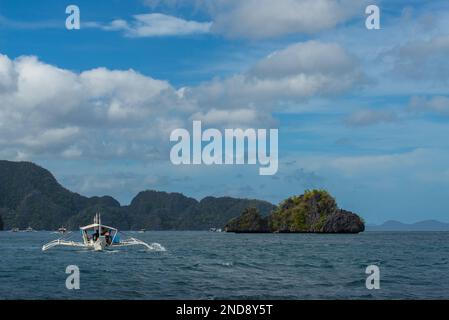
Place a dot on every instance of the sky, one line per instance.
(362, 113)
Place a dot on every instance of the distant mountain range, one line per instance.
(31, 196)
(427, 225)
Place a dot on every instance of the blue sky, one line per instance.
(363, 113)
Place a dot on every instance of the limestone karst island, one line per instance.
(315, 211)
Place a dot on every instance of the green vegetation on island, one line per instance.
(315, 211)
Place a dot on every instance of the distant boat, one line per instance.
(141, 231)
(15, 230)
(29, 229)
(98, 237)
(62, 230)
(215, 230)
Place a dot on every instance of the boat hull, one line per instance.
(100, 244)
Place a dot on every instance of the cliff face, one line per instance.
(343, 221)
(315, 211)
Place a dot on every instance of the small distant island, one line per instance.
(426, 225)
(315, 211)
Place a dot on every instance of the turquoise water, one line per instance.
(207, 265)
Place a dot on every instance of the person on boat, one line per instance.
(107, 236)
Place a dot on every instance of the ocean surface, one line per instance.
(208, 265)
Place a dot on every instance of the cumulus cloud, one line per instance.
(304, 57)
(155, 25)
(97, 113)
(108, 114)
(8, 75)
(298, 72)
(258, 19)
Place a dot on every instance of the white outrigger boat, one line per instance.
(98, 237)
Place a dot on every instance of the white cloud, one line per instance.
(304, 57)
(97, 113)
(258, 19)
(108, 114)
(298, 72)
(8, 76)
(156, 25)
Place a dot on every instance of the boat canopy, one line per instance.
(96, 225)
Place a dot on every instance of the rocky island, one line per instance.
(315, 211)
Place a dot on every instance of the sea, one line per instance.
(214, 265)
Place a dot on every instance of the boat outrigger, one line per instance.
(98, 237)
